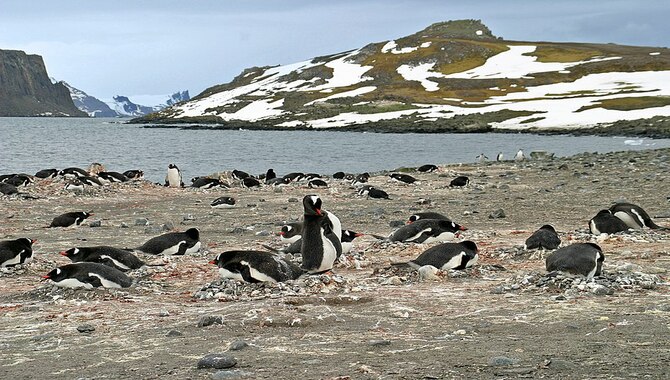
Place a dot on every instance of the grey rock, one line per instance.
(379, 342)
(174, 334)
(153, 230)
(293, 200)
(217, 361)
(222, 375)
(188, 217)
(95, 223)
(238, 345)
(502, 361)
(142, 222)
(85, 328)
(168, 226)
(263, 233)
(208, 320)
(124, 225)
(497, 214)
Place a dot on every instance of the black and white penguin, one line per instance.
(294, 177)
(72, 173)
(426, 215)
(317, 183)
(19, 180)
(519, 156)
(361, 179)
(90, 181)
(113, 177)
(206, 183)
(8, 189)
(70, 219)
(499, 157)
(255, 266)
(173, 177)
(290, 232)
(47, 173)
(120, 259)
(173, 243)
(14, 252)
(347, 240)
(239, 174)
(373, 192)
(404, 178)
(250, 182)
(339, 175)
(606, 223)
(427, 168)
(427, 231)
(544, 238)
(481, 158)
(88, 276)
(223, 202)
(270, 175)
(134, 174)
(447, 256)
(74, 185)
(581, 258)
(634, 216)
(279, 182)
(321, 245)
(459, 181)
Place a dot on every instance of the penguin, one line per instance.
(290, 232)
(206, 183)
(270, 175)
(426, 215)
(279, 182)
(447, 256)
(114, 177)
(134, 174)
(499, 157)
(250, 182)
(544, 238)
(294, 177)
(223, 202)
(70, 219)
(88, 276)
(8, 189)
(519, 156)
(339, 175)
(459, 181)
(74, 185)
(14, 252)
(47, 173)
(72, 173)
(255, 266)
(427, 168)
(580, 258)
(173, 243)
(239, 174)
(404, 178)
(321, 244)
(173, 177)
(361, 179)
(347, 240)
(120, 259)
(606, 223)
(317, 183)
(373, 192)
(311, 176)
(426, 231)
(90, 181)
(634, 216)
(19, 180)
(482, 158)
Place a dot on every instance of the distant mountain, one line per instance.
(93, 106)
(25, 88)
(451, 76)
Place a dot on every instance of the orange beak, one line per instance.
(63, 253)
(213, 262)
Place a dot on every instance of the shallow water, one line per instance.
(31, 144)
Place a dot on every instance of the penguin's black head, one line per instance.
(548, 227)
(26, 242)
(603, 212)
(71, 253)
(86, 214)
(173, 166)
(413, 218)
(216, 260)
(192, 233)
(469, 244)
(57, 274)
(312, 205)
(454, 226)
(349, 235)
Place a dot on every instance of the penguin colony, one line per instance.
(318, 238)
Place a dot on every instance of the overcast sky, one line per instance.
(156, 47)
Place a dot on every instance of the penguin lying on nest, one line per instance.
(256, 266)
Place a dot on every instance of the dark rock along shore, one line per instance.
(504, 317)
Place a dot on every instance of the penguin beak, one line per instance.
(462, 228)
(33, 241)
(318, 212)
(46, 277)
(282, 233)
(63, 253)
(213, 262)
(359, 234)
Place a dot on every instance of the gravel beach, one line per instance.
(503, 318)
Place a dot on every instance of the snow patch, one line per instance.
(421, 73)
(346, 94)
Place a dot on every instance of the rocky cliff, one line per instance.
(26, 90)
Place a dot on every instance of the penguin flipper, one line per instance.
(94, 281)
(275, 250)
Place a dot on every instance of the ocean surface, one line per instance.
(30, 144)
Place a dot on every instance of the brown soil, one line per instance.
(373, 322)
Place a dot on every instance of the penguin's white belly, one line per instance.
(116, 262)
(444, 236)
(413, 238)
(453, 262)
(73, 283)
(629, 220)
(173, 178)
(594, 229)
(14, 260)
(346, 247)
(194, 249)
(472, 261)
(225, 273)
(174, 249)
(329, 254)
(105, 282)
(260, 276)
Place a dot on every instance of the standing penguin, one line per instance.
(606, 223)
(581, 258)
(321, 246)
(447, 256)
(270, 175)
(255, 266)
(114, 257)
(544, 238)
(70, 218)
(14, 252)
(173, 177)
(499, 157)
(634, 216)
(173, 243)
(88, 276)
(519, 156)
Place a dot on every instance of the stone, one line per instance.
(396, 223)
(174, 333)
(502, 361)
(497, 214)
(95, 223)
(208, 320)
(85, 328)
(238, 345)
(428, 273)
(235, 374)
(217, 361)
(142, 222)
(379, 342)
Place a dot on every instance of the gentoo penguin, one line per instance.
(459, 181)
(290, 232)
(311, 176)
(294, 177)
(71, 173)
(90, 181)
(70, 218)
(8, 189)
(74, 185)
(47, 173)
(278, 182)
(373, 192)
(499, 157)
(519, 156)
(88, 276)
(428, 168)
(134, 174)
(447, 256)
(255, 266)
(348, 237)
(426, 231)
(173, 177)
(223, 202)
(544, 238)
(14, 252)
(239, 174)
(606, 223)
(270, 175)
(482, 158)
(173, 243)
(317, 183)
(120, 259)
(339, 175)
(19, 180)
(361, 179)
(426, 215)
(321, 244)
(206, 183)
(634, 216)
(113, 177)
(581, 258)
(250, 182)
(404, 178)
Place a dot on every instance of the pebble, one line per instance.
(379, 342)
(222, 375)
(238, 345)
(497, 214)
(174, 333)
(142, 222)
(502, 361)
(208, 320)
(428, 273)
(95, 223)
(85, 329)
(217, 361)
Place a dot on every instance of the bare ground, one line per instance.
(367, 323)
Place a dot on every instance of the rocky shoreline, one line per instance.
(505, 317)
